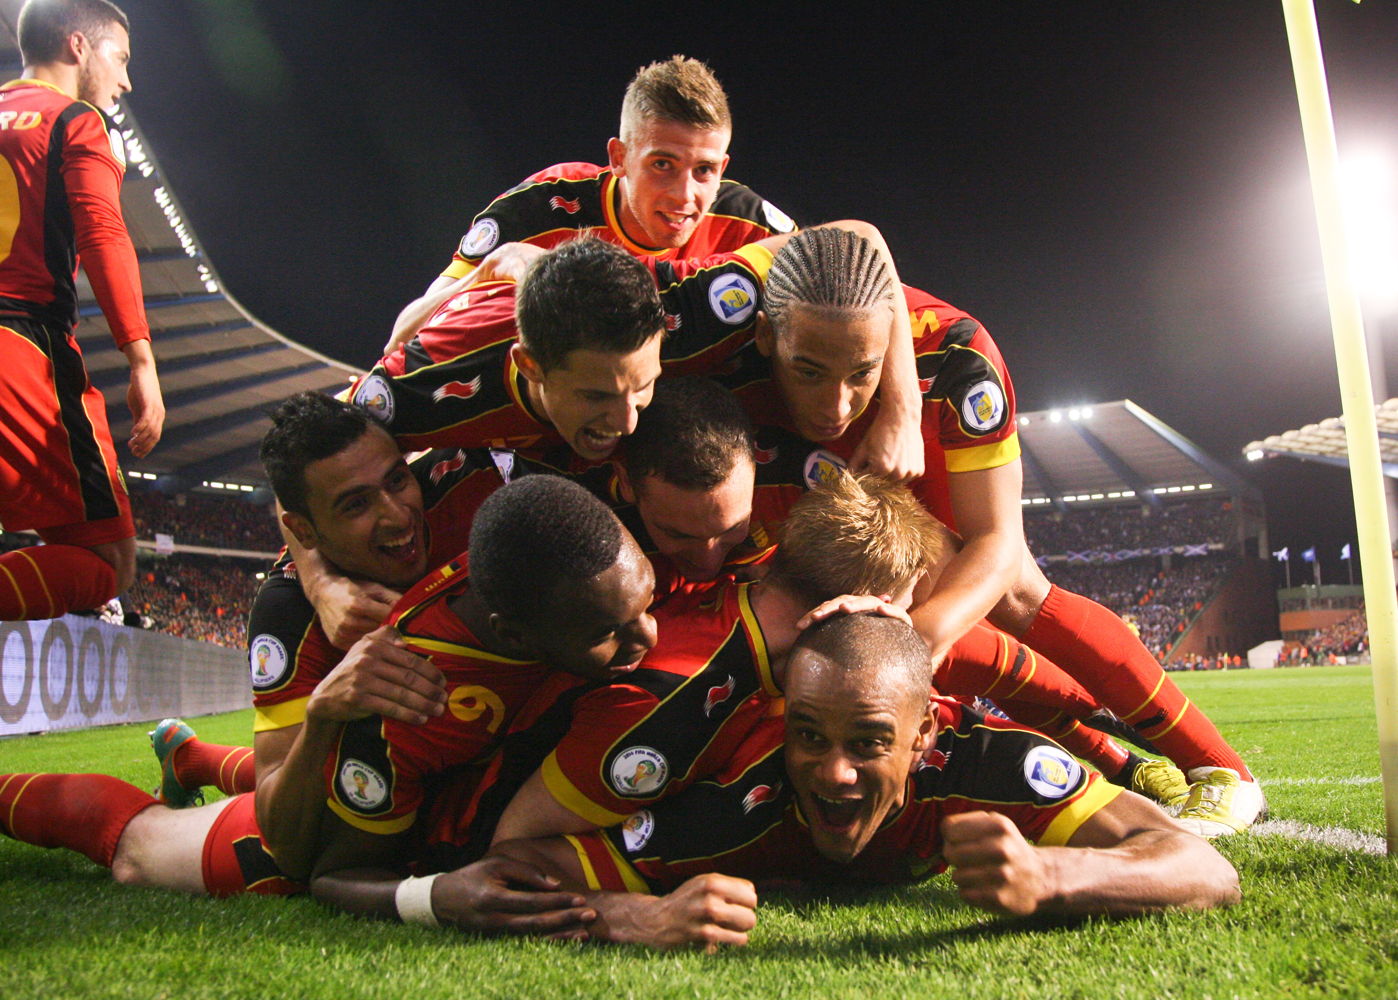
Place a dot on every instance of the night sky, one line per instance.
(1118, 191)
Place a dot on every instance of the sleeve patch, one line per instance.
(481, 239)
(983, 408)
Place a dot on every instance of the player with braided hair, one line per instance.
(823, 345)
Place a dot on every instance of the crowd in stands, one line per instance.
(221, 522)
(1348, 637)
(1129, 526)
(1158, 603)
(195, 597)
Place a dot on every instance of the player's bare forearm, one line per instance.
(534, 812)
(1127, 858)
(348, 608)
(970, 584)
(987, 509)
(496, 895)
(415, 313)
(708, 911)
(291, 792)
(143, 398)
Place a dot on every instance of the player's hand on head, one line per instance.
(350, 609)
(503, 895)
(853, 604)
(993, 866)
(892, 447)
(708, 911)
(379, 675)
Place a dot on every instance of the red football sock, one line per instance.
(46, 581)
(1093, 746)
(1099, 650)
(82, 812)
(989, 663)
(229, 769)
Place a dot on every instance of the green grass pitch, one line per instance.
(1316, 920)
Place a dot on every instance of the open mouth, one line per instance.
(402, 549)
(603, 442)
(837, 815)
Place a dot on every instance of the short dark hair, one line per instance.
(586, 295)
(306, 428)
(44, 26)
(534, 536)
(691, 435)
(885, 650)
(679, 89)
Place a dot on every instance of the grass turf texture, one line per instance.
(1315, 920)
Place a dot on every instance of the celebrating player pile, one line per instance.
(627, 631)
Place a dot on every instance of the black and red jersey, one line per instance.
(61, 167)
(746, 821)
(572, 199)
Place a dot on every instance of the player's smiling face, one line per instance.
(595, 397)
(670, 174)
(601, 628)
(827, 365)
(365, 512)
(850, 745)
(696, 529)
(102, 75)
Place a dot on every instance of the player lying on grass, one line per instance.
(706, 500)
(872, 782)
(812, 369)
(598, 625)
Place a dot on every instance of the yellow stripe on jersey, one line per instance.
(589, 873)
(759, 643)
(383, 827)
(1078, 812)
(759, 258)
(985, 456)
(566, 795)
(279, 716)
(456, 649)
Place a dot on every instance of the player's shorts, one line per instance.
(235, 860)
(58, 467)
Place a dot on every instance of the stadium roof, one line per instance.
(220, 369)
(1112, 451)
(1325, 442)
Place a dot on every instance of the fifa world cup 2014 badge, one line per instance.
(268, 661)
(639, 771)
(376, 398)
(363, 787)
(733, 299)
(637, 828)
(481, 239)
(1051, 772)
(983, 408)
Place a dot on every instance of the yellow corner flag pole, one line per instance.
(1361, 429)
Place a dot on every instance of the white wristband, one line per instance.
(413, 900)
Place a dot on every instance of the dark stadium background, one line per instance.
(1118, 191)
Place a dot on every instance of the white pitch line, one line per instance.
(1330, 836)
(1357, 780)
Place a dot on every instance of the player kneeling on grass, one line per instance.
(877, 783)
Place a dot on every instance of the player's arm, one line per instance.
(92, 179)
(987, 509)
(706, 911)
(348, 608)
(378, 676)
(507, 262)
(1126, 858)
(534, 812)
(496, 895)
